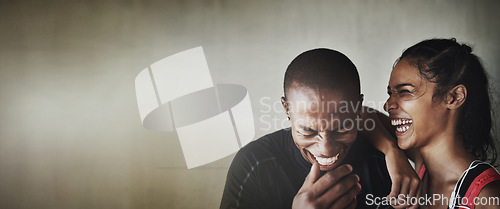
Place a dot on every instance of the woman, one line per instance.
(440, 107)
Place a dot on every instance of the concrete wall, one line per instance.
(70, 132)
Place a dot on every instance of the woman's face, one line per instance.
(412, 111)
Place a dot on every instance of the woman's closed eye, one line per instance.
(404, 91)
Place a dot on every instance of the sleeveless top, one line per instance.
(473, 180)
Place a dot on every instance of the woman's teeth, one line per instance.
(327, 161)
(402, 129)
(397, 122)
(402, 125)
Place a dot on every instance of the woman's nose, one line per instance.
(390, 104)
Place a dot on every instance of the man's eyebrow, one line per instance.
(401, 85)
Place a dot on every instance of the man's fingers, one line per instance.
(305, 197)
(340, 189)
(313, 175)
(314, 189)
(332, 177)
(347, 198)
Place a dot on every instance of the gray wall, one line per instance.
(70, 132)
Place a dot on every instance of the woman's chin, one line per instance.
(405, 144)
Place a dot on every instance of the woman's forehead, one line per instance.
(404, 73)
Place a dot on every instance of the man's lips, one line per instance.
(327, 161)
(324, 161)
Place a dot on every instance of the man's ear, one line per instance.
(456, 97)
(285, 106)
(359, 106)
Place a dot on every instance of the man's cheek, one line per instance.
(351, 138)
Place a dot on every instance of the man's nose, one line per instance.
(325, 145)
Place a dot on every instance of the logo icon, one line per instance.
(177, 94)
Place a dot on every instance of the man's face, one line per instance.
(324, 123)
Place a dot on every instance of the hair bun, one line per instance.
(466, 48)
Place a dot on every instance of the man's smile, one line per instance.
(327, 161)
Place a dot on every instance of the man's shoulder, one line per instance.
(362, 153)
(267, 147)
(363, 150)
(261, 175)
(369, 165)
(277, 141)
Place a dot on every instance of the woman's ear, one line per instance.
(456, 97)
(285, 106)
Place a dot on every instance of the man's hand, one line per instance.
(406, 184)
(336, 189)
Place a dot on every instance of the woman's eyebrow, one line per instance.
(404, 84)
(401, 85)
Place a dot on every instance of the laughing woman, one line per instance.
(440, 107)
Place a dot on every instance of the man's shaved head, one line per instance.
(316, 83)
(322, 68)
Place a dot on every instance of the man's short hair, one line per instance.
(322, 68)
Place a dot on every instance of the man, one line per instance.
(322, 161)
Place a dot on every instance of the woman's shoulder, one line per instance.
(491, 190)
(484, 187)
(489, 197)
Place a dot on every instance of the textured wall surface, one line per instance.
(70, 131)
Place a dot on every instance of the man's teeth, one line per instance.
(397, 122)
(327, 161)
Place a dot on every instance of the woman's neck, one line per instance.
(446, 158)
